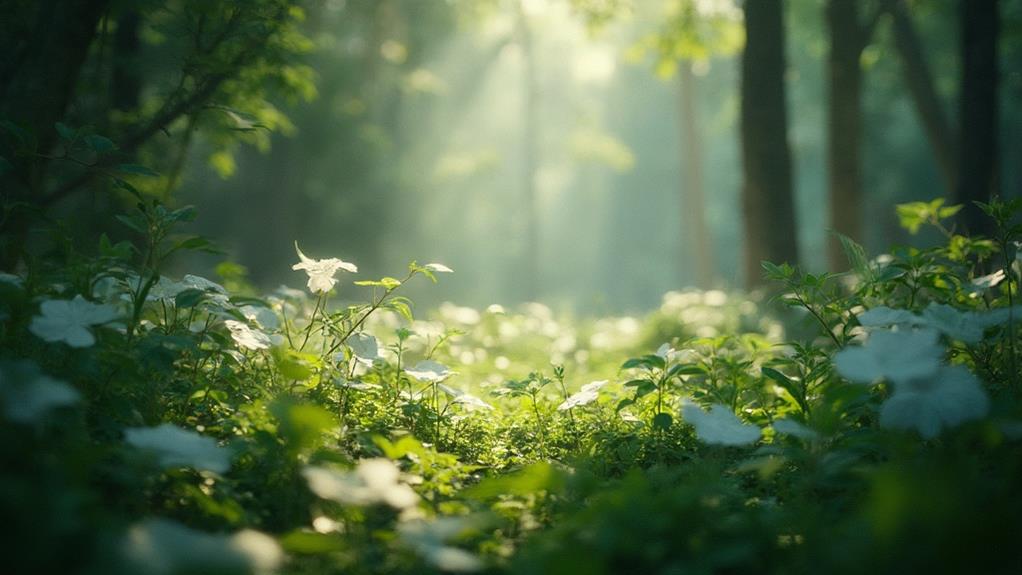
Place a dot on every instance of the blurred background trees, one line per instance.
(590, 154)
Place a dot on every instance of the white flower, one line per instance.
(164, 289)
(428, 371)
(11, 279)
(202, 284)
(792, 427)
(586, 395)
(438, 268)
(963, 326)
(364, 347)
(176, 447)
(246, 336)
(894, 355)
(27, 394)
(69, 321)
(883, 316)
(321, 272)
(666, 352)
(263, 316)
(373, 481)
(164, 547)
(720, 426)
(428, 538)
(948, 398)
(989, 280)
(356, 385)
(467, 399)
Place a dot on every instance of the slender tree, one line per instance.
(939, 130)
(767, 196)
(977, 104)
(849, 35)
(530, 268)
(693, 194)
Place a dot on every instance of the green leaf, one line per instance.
(788, 385)
(196, 243)
(644, 388)
(308, 543)
(530, 480)
(647, 361)
(686, 369)
(5, 165)
(189, 298)
(856, 256)
(301, 425)
(401, 308)
(99, 144)
(185, 214)
(133, 221)
(136, 169)
(66, 132)
(291, 364)
(662, 421)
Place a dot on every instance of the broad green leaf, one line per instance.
(662, 421)
(136, 169)
(99, 144)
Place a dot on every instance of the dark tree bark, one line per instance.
(767, 196)
(38, 79)
(125, 80)
(693, 205)
(44, 46)
(978, 149)
(938, 129)
(848, 37)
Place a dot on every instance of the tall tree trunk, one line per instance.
(978, 149)
(38, 73)
(530, 144)
(693, 205)
(767, 197)
(125, 80)
(844, 124)
(938, 129)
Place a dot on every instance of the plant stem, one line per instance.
(1008, 273)
(312, 321)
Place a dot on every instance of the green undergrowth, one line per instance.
(863, 421)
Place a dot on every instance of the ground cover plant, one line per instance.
(868, 420)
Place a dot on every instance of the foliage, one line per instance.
(175, 426)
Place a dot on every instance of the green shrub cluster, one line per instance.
(160, 425)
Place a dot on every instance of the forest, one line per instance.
(510, 286)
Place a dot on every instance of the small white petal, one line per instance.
(588, 394)
(247, 337)
(792, 427)
(429, 371)
(882, 316)
(949, 398)
(720, 426)
(176, 447)
(894, 355)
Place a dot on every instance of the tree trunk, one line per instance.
(978, 149)
(844, 125)
(920, 84)
(37, 82)
(767, 197)
(125, 80)
(38, 73)
(693, 205)
(530, 144)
